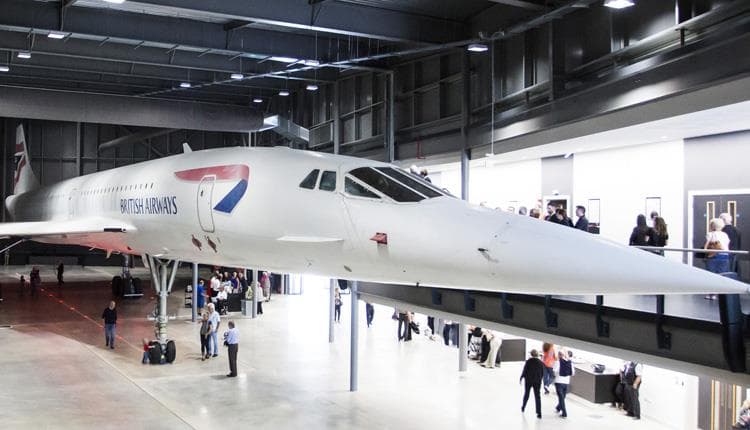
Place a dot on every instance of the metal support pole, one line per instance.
(354, 344)
(336, 135)
(463, 339)
(331, 299)
(254, 287)
(391, 124)
(162, 317)
(79, 149)
(466, 120)
(194, 312)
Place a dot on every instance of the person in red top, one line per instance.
(548, 358)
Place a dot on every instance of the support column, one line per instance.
(162, 318)
(254, 286)
(194, 312)
(354, 344)
(331, 299)
(556, 55)
(79, 149)
(336, 135)
(390, 121)
(463, 336)
(466, 120)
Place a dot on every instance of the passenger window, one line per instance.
(310, 180)
(386, 185)
(356, 189)
(328, 181)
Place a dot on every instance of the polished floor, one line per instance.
(56, 372)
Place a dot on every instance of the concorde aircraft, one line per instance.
(293, 211)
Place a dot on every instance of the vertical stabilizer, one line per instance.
(23, 179)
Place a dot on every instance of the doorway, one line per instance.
(205, 208)
(709, 205)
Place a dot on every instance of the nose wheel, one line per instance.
(161, 350)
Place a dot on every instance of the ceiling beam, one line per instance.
(182, 64)
(123, 110)
(522, 4)
(112, 28)
(137, 137)
(335, 18)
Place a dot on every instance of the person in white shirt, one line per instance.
(221, 299)
(716, 240)
(631, 376)
(215, 284)
(495, 344)
(564, 369)
(215, 320)
(232, 340)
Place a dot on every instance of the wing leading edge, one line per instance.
(84, 226)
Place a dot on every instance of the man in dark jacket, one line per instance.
(583, 222)
(533, 371)
(735, 243)
(110, 321)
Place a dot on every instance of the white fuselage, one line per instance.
(279, 226)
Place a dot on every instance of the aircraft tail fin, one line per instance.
(23, 179)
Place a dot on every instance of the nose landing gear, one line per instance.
(161, 350)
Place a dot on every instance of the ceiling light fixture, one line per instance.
(284, 93)
(311, 87)
(115, 1)
(284, 59)
(4, 69)
(237, 76)
(618, 4)
(56, 35)
(257, 100)
(477, 47)
(24, 54)
(185, 85)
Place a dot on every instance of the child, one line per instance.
(146, 349)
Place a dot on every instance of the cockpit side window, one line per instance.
(412, 181)
(310, 180)
(354, 188)
(386, 185)
(328, 181)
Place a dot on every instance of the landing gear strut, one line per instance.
(163, 350)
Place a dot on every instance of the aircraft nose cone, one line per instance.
(537, 255)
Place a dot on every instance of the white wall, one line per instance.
(494, 185)
(623, 178)
(508, 184)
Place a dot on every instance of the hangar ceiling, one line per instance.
(375, 78)
(149, 48)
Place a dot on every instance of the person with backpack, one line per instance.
(631, 376)
(564, 369)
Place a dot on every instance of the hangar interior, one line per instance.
(506, 103)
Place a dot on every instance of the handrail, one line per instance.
(693, 250)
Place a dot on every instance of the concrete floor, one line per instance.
(56, 372)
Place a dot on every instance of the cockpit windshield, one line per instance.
(397, 185)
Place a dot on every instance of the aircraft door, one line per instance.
(205, 207)
(72, 202)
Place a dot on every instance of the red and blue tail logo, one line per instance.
(228, 172)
